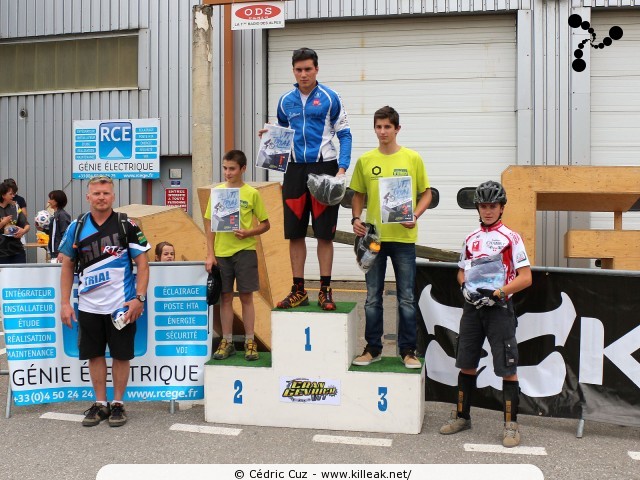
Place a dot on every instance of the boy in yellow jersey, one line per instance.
(235, 253)
(398, 240)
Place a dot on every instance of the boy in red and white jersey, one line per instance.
(493, 266)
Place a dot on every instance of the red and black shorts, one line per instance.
(96, 331)
(298, 202)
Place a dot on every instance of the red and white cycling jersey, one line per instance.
(494, 240)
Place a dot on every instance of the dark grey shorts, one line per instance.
(242, 267)
(496, 324)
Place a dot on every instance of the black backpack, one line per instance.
(122, 236)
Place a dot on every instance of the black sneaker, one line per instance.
(118, 415)
(95, 414)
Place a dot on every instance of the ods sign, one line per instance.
(257, 15)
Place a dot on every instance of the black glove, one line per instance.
(490, 298)
(474, 298)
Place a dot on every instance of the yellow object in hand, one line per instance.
(42, 238)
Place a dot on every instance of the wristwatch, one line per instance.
(142, 298)
(502, 294)
(353, 220)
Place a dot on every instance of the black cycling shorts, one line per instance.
(498, 325)
(298, 202)
(96, 331)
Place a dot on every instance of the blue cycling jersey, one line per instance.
(316, 122)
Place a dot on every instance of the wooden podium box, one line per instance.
(171, 224)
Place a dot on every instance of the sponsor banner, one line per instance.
(321, 391)
(172, 343)
(123, 149)
(257, 15)
(578, 339)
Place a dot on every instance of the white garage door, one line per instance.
(615, 101)
(452, 79)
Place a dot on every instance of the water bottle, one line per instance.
(369, 256)
(117, 317)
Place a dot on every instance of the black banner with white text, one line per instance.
(578, 338)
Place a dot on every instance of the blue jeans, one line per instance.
(403, 259)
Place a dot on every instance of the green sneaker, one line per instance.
(95, 414)
(251, 350)
(225, 350)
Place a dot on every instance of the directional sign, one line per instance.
(117, 148)
(177, 197)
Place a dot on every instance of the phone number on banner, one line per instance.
(51, 395)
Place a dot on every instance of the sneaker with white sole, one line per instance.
(367, 358)
(511, 435)
(455, 424)
(410, 360)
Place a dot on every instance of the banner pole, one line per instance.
(9, 397)
(580, 429)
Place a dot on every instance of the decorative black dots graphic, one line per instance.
(575, 21)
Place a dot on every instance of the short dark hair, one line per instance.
(161, 245)
(237, 156)
(387, 112)
(12, 183)
(5, 187)
(59, 196)
(304, 53)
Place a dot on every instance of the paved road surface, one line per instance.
(32, 447)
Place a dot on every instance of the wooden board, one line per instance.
(565, 188)
(617, 248)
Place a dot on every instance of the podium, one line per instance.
(308, 380)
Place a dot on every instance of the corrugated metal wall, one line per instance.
(552, 101)
(360, 8)
(250, 47)
(605, 3)
(36, 151)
